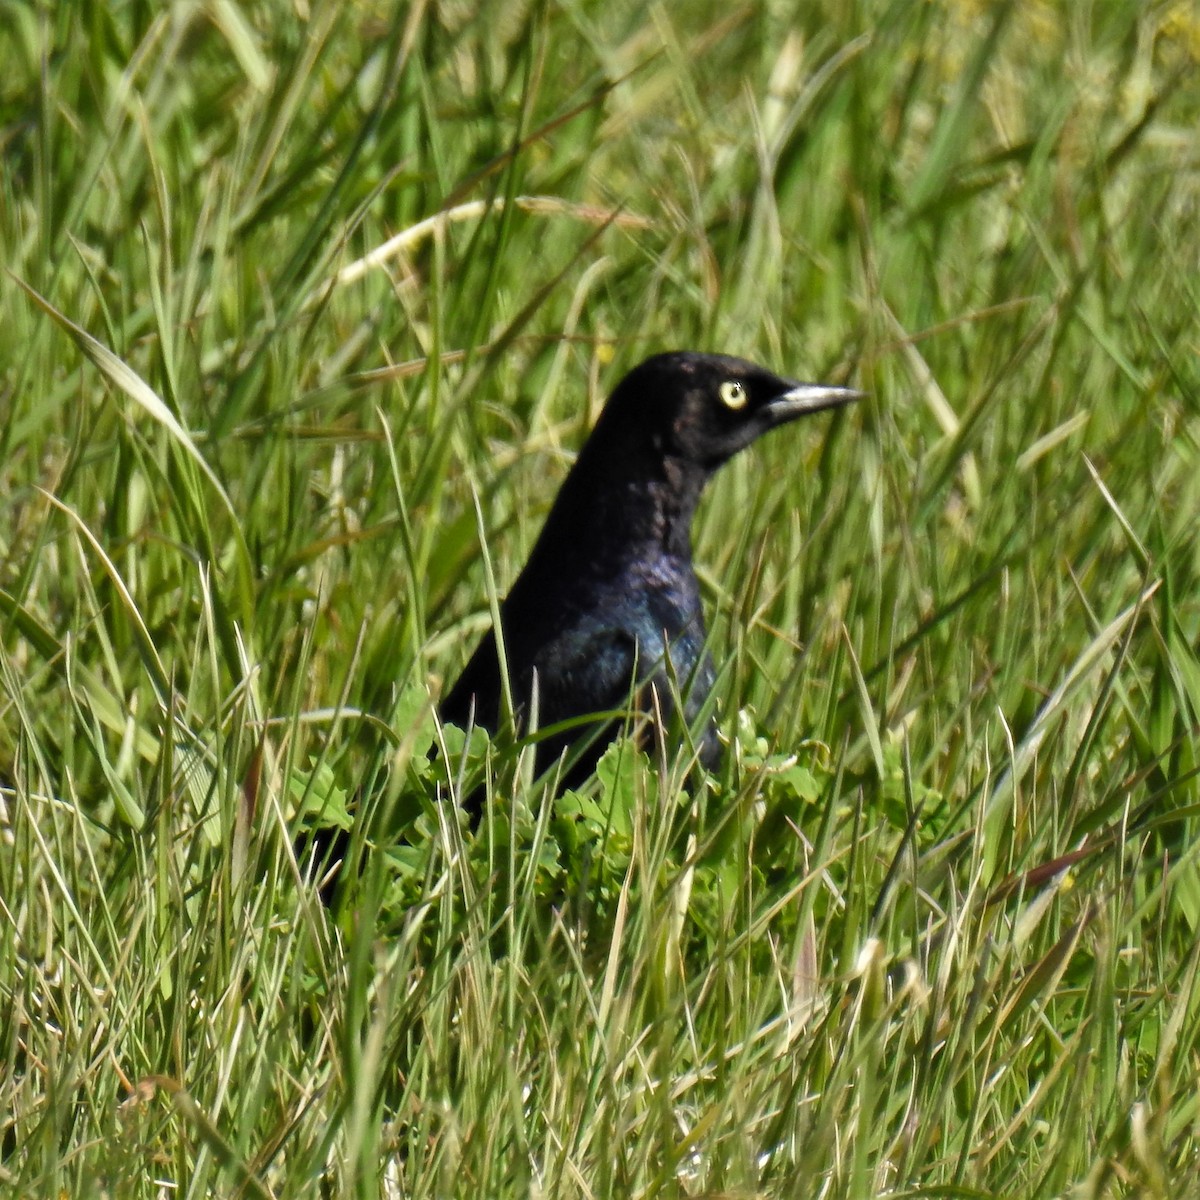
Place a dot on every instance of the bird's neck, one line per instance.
(617, 510)
(668, 504)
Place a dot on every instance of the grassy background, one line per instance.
(934, 930)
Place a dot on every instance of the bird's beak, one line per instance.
(808, 398)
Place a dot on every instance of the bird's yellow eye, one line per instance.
(733, 394)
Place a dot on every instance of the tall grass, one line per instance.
(307, 308)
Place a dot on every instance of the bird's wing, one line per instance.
(475, 697)
(586, 671)
(579, 672)
(603, 670)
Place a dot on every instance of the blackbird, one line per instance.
(607, 608)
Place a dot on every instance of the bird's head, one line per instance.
(704, 408)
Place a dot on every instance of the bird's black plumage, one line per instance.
(608, 603)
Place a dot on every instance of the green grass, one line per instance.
(933, 931)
